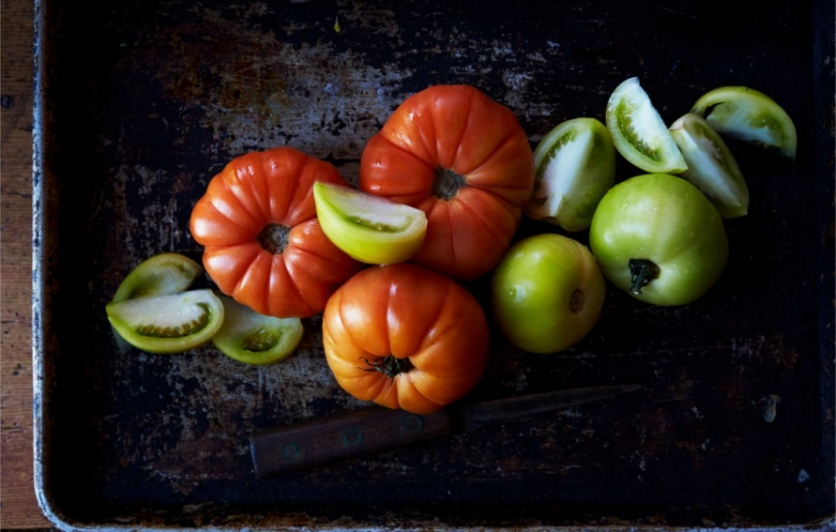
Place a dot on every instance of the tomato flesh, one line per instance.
(638, 131)
(574, 167)
(749, 115)
(168, 323)
(711, 165)
(369, 228)
(256, 339)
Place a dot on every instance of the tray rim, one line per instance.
(41, 246)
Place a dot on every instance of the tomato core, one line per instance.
(261, 340)
(180, 331)
(273, 237)
(389, 365)
(642, 272)
(447, 183)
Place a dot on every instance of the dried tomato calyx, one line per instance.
(576, 301)
(642, 271)
(388, 365)
(447, 183)
(273, 237)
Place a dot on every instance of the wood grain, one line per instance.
(18, 505)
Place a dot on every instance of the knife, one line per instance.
(377, 429)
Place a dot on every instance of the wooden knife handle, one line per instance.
(376, 429)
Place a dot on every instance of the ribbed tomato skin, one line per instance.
(254, 190)
(410, 313)
(456, 128)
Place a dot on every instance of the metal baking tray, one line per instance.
(139, 104)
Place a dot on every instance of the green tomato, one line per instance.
(164, 273)
(547, 293)
(750, 116)
(169, 323)
(711, 166)
(638, 131)
(161, 274)
(574, 167)
(369, 228)
(660, 239)
(253, 338)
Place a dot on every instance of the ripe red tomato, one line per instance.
(263, 243)
(405, 337)
(466, 162)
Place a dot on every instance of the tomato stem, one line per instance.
(642, 271)
(273, 237)
(447, 183)
(388, 365)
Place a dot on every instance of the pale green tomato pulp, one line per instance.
(370, 229)
(164, 273)
(574, 168)
(711, 165)
(253, 338)
(161, 274)
(169, 323)
(667, 221)
(749, 115)
(638, 131)
(547, 293)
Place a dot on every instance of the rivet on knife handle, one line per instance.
(294, 447)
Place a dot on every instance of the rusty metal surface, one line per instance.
(141, 103)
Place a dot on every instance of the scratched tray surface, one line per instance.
(142, 103)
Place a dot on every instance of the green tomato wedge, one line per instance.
(253, 338)
(165, 273)
(749, 115)
(574, 167)
(169, 323)
(711, 166)
(369, 228)
(639, 133)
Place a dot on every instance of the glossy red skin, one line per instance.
(459, 128)
(258, 188)
(406, 311)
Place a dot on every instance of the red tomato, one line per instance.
(405, 337)
(465, 161)
(263, 243)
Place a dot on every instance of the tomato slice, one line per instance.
(639, 133)
(574, 167)
(749, 115)
(371, 229)
(164, 273)
(169, 323)
(256, 339)
(711, 165)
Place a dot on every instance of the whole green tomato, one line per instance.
(547, 293)
(660, 239)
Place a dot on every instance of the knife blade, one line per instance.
(378, 429)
